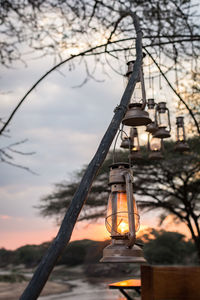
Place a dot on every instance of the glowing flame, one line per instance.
(123, 227)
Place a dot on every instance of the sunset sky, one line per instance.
(64, 126)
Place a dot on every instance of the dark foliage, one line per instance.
(12, 278)
(160, 247)
(76, 252)
(166, 248)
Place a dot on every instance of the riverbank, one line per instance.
(12, 291)
(64, 283)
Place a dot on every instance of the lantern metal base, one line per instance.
(162, 133)
(181, 146)
(126, 143)
(151, 128)
(135, 155)
(156, 155)
(118, 252)
(136, 116)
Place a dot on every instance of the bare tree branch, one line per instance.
(58, 245)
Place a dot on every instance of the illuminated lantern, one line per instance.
(122, 219)
(181, 144)
(135, 153)
(151, 127)
(136, 115)
(162, 121)
(155, 148)
(135, 139)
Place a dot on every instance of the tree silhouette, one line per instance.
(171, 185)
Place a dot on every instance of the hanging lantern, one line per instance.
(122, 220)
(181, 144)
(136, 115)
(135, 153)
(155, 147)
(162, 120)
(151, 127)
(126, 143)
(135, 139)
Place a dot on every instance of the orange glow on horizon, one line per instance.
(94, 231)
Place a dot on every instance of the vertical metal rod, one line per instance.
(114, 214)
(131, 212)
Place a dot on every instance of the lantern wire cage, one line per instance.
(122, 226)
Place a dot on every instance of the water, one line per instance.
(85, 291)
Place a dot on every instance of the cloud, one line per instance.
(5, 217)
(64, 126)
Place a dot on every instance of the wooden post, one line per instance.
(58, 245)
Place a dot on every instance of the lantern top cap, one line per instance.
(134, 132)
(119, 165)
(162, 107)
(133, 60)
(151, 103)
(150, 100)
(179, 120)
(162, 103)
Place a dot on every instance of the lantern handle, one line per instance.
(131, 213)
(115, 143)
(113, 153)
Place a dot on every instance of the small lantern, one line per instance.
(162, 120)
(151, 127)
(135, 139)
(135, 115)
(181, 144)
(126, 143)
(122, 220)
(130, 65)
(155, 147)
(135, 153)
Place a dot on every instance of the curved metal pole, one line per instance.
(59, 244)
